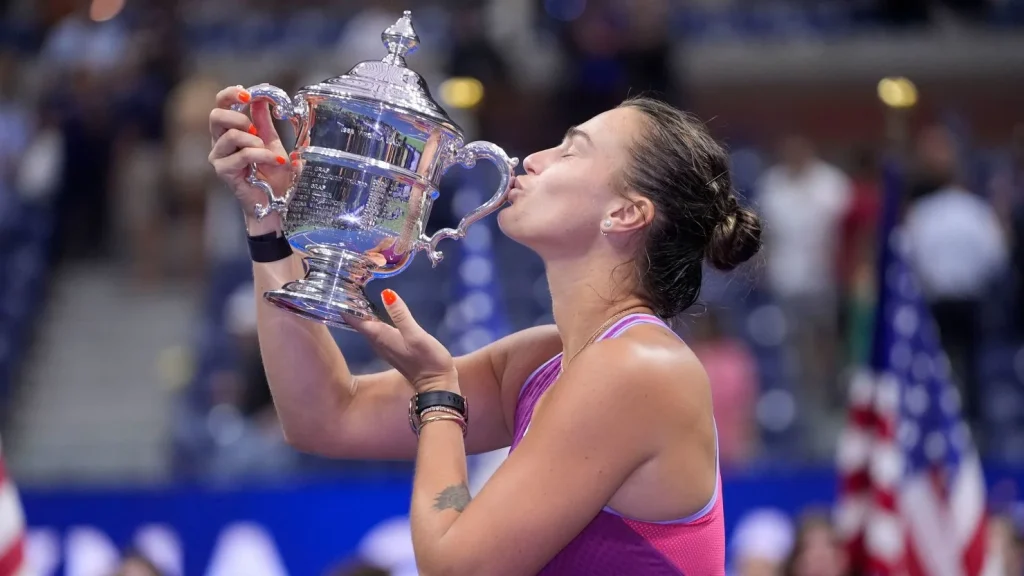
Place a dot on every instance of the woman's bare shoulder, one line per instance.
(650, 365)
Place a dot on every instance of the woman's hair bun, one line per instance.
(735, 239)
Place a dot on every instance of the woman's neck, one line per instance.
(584, 297)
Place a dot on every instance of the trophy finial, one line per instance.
(400, 39)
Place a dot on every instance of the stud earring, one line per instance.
(605, 226)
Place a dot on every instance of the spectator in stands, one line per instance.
(202, 200)
(804, 200)
(1007, 191)
(84, 118)
(1004, 546)
(360, 39)
(15, 132)
(82, 60)
(133, 563)
(595, 78)
(41, 169)
(957, 248)
(732, 371)
(242, 421)
(817, 551)
(647, 51)
(761, 543)
(140, 161)
(78, 43)
(857, 257)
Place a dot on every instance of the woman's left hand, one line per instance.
(417, 355)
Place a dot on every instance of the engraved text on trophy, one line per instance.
(332, 197)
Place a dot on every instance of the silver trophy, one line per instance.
(372, 147)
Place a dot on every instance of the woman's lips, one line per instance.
(515, 190)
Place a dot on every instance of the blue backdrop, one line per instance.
(315, 525)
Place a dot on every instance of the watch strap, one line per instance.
(441, 398)
(269, 247)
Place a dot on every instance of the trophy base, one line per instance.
(332, 291)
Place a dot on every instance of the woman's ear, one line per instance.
(633, 213)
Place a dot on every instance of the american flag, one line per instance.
(912, 491)
(12, 527)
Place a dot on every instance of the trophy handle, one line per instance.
(467, 156)
(282, 107)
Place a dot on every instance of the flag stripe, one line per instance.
(976, 551)
(13, 558)
(928, 523)
(12, 526)
(12, 522)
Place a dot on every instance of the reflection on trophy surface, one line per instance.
(372, 147)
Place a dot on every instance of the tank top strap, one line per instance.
(533, 388)
(629, 321)
(547, 373)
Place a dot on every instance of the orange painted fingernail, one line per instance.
(389, 296)
(252, 129)
(295, 163)
(244, 97)
(294, 155)
(281, 160)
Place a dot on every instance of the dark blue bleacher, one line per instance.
(766, 20)
(25, 232)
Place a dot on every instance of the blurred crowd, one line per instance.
(103, 121)
(104, 108)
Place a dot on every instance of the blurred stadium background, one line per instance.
(133, 408)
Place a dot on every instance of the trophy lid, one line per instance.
(389, 81)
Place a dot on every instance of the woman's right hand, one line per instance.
(239, 142)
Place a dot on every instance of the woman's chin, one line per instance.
(504, 219)
(507, 221)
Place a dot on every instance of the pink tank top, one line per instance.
(614, 545)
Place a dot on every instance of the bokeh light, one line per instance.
(898, 92)
(462, 93)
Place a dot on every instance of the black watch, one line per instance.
(437, 398)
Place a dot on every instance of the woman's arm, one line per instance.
(606, 417)
(325, 409)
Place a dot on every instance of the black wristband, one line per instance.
(450, 401)
(443, 398)
(268, 247)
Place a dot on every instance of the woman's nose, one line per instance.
(532, 163)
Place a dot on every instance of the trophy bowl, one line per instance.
(372, 147)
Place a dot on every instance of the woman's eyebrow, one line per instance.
(576, 132)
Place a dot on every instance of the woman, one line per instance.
(613, 468)
(817, 551)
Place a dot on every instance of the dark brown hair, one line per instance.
(680, 168)
(809, 521)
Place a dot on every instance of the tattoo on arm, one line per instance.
(455, 497)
